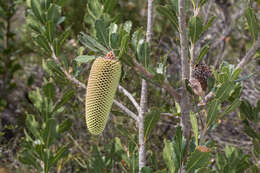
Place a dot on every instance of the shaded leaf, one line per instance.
(60, 153)
(53, 13)
(202, 2)
(136, 36)
(146, 170)
(168, 156)
(49, 133)
(212, 112)
(197, 160)
(252, 22)
(143, 53)
(68, 94)
(91, 43)
(179, 149)
(49, 90)
(124, 45)
(210, 22)
(150, 122)
(36, 10)
(102, 32)
(109, 5)
(203, 52)
(65, 126)
(231, 108)
(171, 14)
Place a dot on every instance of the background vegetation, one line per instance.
(163, 119)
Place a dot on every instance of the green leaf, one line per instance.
(246, 109)
(67, 95)
(45, 4)
(102, 32)
(162, 171)
(203, 52)
(212, 112)
(232, 107)
(150, 122)
(125, 133)
(36, 10)
(236, 74)
(224, 90)
(194, 124)
(27, 157)
(53, 13)
(33, 126)
(114, 39)
(143, 53)
(195, 28)
(197, 160)
(56, 72)
(109, 5)
(49, 133)
(252, 22)
(85, 58)
(168, 157)
(36, 28)
(98, 161)
(169, 13)
(136, 36)
(210, 83)
(249, 130)
(123, 45)
(65, 126)
(179, 149)
(146, 170)
(205, 170)
(46, 108)
(210, 22)
(50, 31)
(92, 44)
(49, 90)
(43, 43)
(62, 38)
(60, 153)
(202, 2)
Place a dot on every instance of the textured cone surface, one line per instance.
(102, 84)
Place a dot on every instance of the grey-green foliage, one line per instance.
(233, 160)
(226, 89)
(40, 145)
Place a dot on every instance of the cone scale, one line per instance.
(102, 84)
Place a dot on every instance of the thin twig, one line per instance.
(249, 54)
(126, 110)
(130, 96)
(166, 85)
(70, 77)
(144, 93)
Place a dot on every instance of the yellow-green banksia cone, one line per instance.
(102, 84)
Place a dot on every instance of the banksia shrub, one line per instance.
(102, 84)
